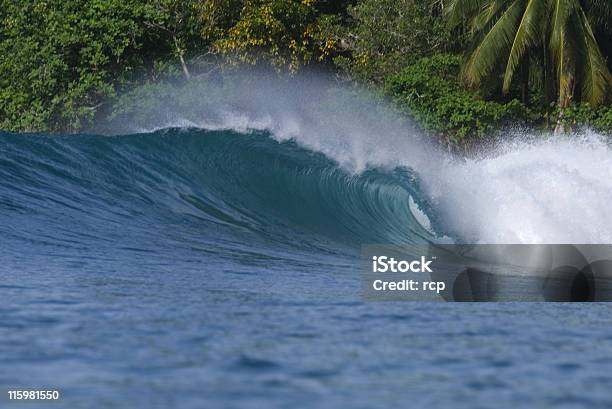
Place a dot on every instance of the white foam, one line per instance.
(553, 191)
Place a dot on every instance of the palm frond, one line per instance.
(460, 10)
(487, 15)
(561, 10)
(599, 12)
(596, 77)
(526, 36)
(496, 41)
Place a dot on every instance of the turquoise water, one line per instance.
(191, 268)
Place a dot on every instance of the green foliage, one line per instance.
(383, 36)
(280, 32)
(177, 23)
(186, 28)
(603, 120)
(62, 62)
(429, 92)
(584, 115)
(216, 17)
(558, 37)
(56, 57)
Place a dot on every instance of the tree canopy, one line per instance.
(556, 36)
(64, 64)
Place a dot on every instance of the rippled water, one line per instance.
(192, 337)
(209, 269)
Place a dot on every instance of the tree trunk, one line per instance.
(184, 65)
(180, 53)
(565, 99)
(525, 79)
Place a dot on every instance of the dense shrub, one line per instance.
(56, 57)
(603, 121)
(583, 115)
(284, 34)
(62, 61)
(429, 92)
(380, 37)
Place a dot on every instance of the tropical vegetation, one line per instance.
(463, 69)
(554, 37)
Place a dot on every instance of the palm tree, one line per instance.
(514, 34)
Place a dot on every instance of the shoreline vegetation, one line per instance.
(462, 69)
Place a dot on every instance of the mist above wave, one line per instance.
(347, 124)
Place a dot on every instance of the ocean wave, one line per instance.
(222, 189)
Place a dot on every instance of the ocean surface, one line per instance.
(219, 268)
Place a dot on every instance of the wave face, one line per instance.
(226, 192)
